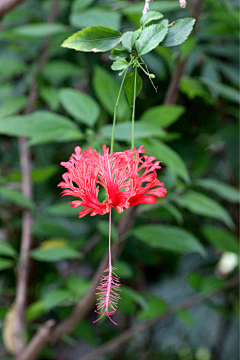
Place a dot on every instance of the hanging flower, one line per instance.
(129, 178)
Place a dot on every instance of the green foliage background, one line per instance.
(176, 246)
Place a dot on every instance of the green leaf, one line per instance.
(129, 38)
(129, 86)
(168, 157)
(123, 269)
(6, 249)
(175, 212)
(171, 238)
(81, 106)
(150, 16)
(223, 190)
(56, 298)
(77, 285)
(95, 39)
(38, 175)
(64, 210)
(136, 296)
(10, 66)
(185, 316)
(40, 30)
(35, 310)
(96, 17)
(59, 71)
(163, 115)
(118, 54)
(13, 106)
(107, 89)
(51, 96)
(41, 127)
(78, 5)
(44, 228)
(156, 308)
(119, 64)
(151, 36)
(55, 254)
(16, 197)
(103, 228)
(123, 131)
(6, 264)
(193, 88)
(178, 32)
(226, 91)
(221, 238)
(203, 205)
(163, 6)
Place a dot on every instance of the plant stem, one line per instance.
(115, 110)
(134, 101)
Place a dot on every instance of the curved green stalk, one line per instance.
(115, 111)
(134, 101)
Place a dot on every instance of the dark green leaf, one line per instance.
(178, 32)
(96, 17)
(40, 30)
(169, 238)
(226, 91)
(203, 205)
(156, 307)
(81, 106)
(168, 157)
(6, 249)
(151, 36)
(163, 115)
(123, 269)
(223, 190)
(136, 296)
(163, 6)
(13, 106)
(6, 264)
(221, 238)
(56, 298)
(150, 16)
(118, 54)
(123, 131)
(77, 285)
(35, 310)
(55, 254)
(78, 5)
(107, 90)
(95, 39)
(16, 197)
(38, 175)
(64, 210)
(119, 64)
(129, 86)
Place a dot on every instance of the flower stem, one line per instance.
(115, 111)
(134, 101)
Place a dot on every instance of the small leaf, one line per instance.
(226, 91)
(6, 249)
(129, 86)
(156, 308)
(63, 210)
(16, 197)
(81, 106)
(150, 16)
(95, 39)
(6, 264)
(56, 298)
(78, 5)
(178, 32)
(151, 36)
(163, 115)
(221, 238)
(118, 54)
(203, 205)
(55, 254)
(35, 310)
(171, 238)
(223, 190)
(124, 270)
(77, 285)
(129, 38)
(38, 175)
(119, 64)
(136, 296)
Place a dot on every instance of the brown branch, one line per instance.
(173, 88)
(133, 331)
(27, 220)
(8, 5)
(86, 303)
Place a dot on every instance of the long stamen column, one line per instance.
(109, 285)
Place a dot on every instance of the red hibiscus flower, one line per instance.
(128, 177)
